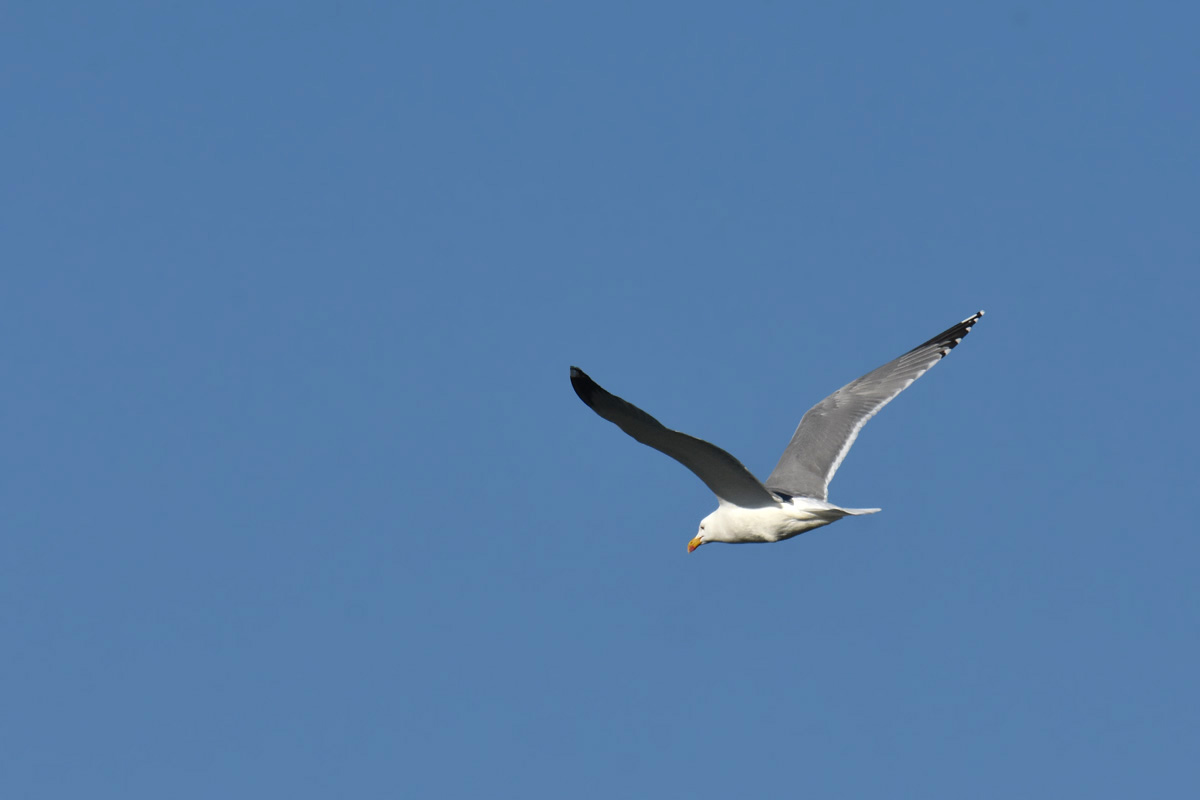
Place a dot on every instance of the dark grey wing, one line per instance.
(826, 432)
(721, 472)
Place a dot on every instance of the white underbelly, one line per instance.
(775, 523)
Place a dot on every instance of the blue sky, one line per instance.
(297, 498)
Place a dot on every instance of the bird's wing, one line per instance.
(722, 473)
(826, 432)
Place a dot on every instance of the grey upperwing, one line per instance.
(828, 429)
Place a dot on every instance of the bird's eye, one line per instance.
(701, 527)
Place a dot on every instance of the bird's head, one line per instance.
(705, 534)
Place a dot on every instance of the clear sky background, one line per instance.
(298, 501)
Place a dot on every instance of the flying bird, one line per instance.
(793, 499)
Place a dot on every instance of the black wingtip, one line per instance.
(584, 386)
(950, 338)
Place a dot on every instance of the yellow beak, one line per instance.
(694, 543)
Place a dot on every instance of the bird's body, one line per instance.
(794, 497)
(791, 516)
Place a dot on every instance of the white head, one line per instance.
(710, 531)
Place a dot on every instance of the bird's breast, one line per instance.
(769, 524)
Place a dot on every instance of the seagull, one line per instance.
(794, 497)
